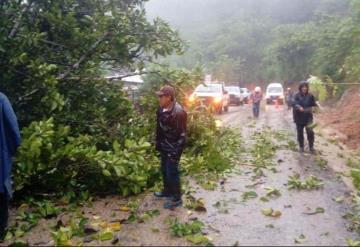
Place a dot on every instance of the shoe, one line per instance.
(301, 150)
(160, 194)
(312, 151)
(171, 204)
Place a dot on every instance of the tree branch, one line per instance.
(83, 57)
(132, 74)
(18, 21)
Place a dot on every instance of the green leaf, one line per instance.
(105, 235)
(106, 173)
(301, 239)
(198, 239)
(267, 211)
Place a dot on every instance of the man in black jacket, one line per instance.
(303, 102)
(170, 142)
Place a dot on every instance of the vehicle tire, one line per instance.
(226, 108)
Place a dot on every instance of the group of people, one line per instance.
(171, 133)
(170, 140)
(302, 104)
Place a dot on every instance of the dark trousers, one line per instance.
(171, 176)
(300, 135)
(4, 212)
(256, 109)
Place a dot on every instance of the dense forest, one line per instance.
(254, 41)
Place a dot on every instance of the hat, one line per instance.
(258, 89)
(166, 90)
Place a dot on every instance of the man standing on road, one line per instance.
(303, 103)
(170, 142)
(9, 142)
(256, 98)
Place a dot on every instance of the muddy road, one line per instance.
(312, 218)
(231, 221)
(244, 224)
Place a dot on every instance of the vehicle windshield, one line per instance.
(233, 89)
(274, 90)
(209, 88)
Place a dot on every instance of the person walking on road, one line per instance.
(289, 95)
(303, 103)
(9, 142)
(170, 142)
(256, 98)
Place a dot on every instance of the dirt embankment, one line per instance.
(344, 118)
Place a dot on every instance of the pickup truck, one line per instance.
(211, 95)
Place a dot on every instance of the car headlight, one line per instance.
(192, 99)
(217, 99)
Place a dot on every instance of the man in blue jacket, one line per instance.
(303, 103)
(9, 142)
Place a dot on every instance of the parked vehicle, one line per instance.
(211, 95)
(236, 98)
(274, 93)
(246, 94)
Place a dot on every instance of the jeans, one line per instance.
(256, 109)
(4, 212)
(300, 135)
(171, 177)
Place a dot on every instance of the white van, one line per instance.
(274, 92)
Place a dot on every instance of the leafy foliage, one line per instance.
(310, 183)
(260, 41)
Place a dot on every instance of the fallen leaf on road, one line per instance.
(270, 226)
(198, 239)
(124, 209)
(339, 199)
(318, 210)
(352, 242)
(248, 195)
(326, 234)
(105, 235)
(264, 199)
(267, 211)
(301, 239)
(276, 214)
(116, 226)
(155, 230)
(272, 192)
(271, 212)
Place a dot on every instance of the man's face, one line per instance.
(164, 101)
(305, 90)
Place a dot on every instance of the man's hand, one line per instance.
(301, 109)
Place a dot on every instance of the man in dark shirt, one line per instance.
(170, 142)
(303, 103)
